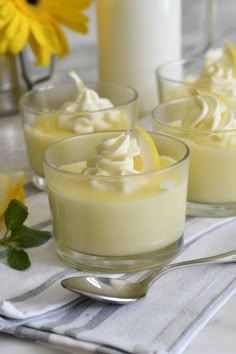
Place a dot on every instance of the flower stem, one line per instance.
(25, 75)
(24, 71)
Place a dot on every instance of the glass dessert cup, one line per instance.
(212, 171)
(41, 108)
(171, 78)
(116, 223)
(176, 79)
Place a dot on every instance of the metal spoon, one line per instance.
(122, 291)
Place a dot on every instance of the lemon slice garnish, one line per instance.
(149, 159)
(215, 95)
(11, 187)
(230, 49)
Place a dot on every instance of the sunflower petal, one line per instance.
(13, 26)
(71, 15)
(63, 50)
(74, 5)
(43, 56)
(80, 24)
(51, 37)
(4, 42)
(18, 42)
(7, 9)
(5, 14)
(4, 21)
(45, 36)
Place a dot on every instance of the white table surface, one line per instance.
(218, 337)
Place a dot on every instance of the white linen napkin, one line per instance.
(33, 304)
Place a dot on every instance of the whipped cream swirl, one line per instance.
(115, 157)
(209, 113)
(75, 115)
(219, 70)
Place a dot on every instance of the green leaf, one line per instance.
(18, 259)
(27, 237)
(15, 215)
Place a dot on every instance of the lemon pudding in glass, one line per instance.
(218, 70)
(117, 199)
(208, 126)
(215, 71)
(69, 107)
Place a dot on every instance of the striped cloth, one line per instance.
(33, 304)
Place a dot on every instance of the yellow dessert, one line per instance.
(219, 70)
(215, 72)
(85, 113)
(119, 199)
(208, 126)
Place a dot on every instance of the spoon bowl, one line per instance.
(106, 289)
(122, 291)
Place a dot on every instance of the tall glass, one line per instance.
(41, 111)
(198, 19)
(116, 223)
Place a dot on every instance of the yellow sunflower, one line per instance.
(38, 23)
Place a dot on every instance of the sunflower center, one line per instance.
(32, 2)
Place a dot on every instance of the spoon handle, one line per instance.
(227, 257)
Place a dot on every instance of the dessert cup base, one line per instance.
(211, 210)
(39, 182)
(118, 264)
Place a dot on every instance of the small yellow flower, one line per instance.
(38, 22)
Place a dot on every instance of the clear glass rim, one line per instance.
(196, 131)
(185, 61)
(51, 85)
(182, 61)
(114, 178)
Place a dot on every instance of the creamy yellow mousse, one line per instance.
(218, 73)
(123, 200)
(219, 70)
(86, 113)
(215, 72)
(208, 126)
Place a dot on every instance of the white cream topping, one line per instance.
(115, 157)
(75, 115)
(219, 70)
(209, 113)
